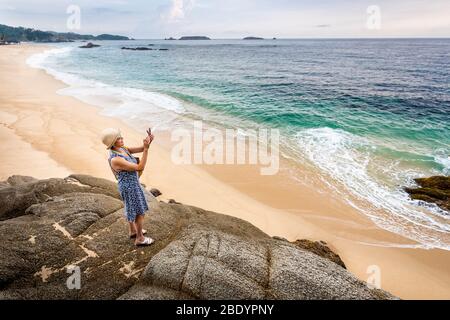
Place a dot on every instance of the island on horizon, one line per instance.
(194, 38)
(253, 38)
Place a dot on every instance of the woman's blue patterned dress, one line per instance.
(130, 189)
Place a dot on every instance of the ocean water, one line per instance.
(370, 115)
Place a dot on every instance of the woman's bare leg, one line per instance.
(139, 224)
(132, 227)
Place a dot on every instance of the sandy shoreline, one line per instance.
(61, 136)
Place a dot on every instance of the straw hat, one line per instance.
(109, 137)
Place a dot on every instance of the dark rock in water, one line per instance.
(253, 38)
(171, 38)
(89, 45)
(433, 189)
(321, 249)
(150, 44)
(143, 49)
(194, 38)
(197, 254)
(137, 48)
(155, 192)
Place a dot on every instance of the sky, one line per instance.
(224, 19)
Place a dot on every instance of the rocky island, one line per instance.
(143, 49)
(48, 226)
(194, 38)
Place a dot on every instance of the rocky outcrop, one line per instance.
(143, 49)
(433, 190)
(155, 192)
(137, 48)
(18, 193)
(89, 45)
(321, 249)
(53, 226)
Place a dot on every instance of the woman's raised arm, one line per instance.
(119, 163)
(136, 149)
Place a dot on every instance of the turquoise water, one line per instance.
(371, 115)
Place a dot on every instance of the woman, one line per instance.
(125, 168)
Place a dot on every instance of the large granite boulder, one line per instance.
(54, 226)
(17, 193)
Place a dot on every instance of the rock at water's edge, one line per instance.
(434, 189)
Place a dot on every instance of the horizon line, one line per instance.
(241, 38)
(300, 38)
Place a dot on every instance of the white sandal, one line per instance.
(147, 241)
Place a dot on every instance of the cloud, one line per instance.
(7, 7)
(106, 10)
(177, 10)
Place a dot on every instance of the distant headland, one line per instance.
(17, 34)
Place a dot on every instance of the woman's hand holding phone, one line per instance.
(150, 135)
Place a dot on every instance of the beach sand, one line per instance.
(51, 135)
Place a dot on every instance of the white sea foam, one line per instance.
(135, 106)
(442, 157)
(37, 60)
(348, 160)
